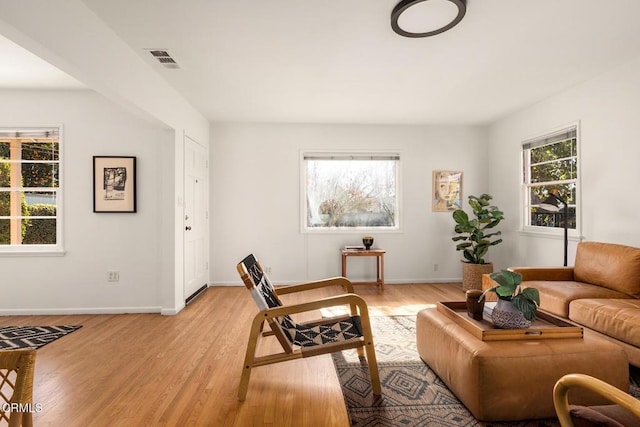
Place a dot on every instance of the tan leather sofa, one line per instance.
(601, 292)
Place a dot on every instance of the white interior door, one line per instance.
(195, 218)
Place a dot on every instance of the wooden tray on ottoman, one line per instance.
(545, 326)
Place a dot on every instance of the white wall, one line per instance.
(255, 196)
(131, 243)
(118, 73)
(608, 109)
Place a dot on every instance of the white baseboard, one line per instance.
(421, 281)
(386, 282)
(172, 311)
(82, 310)
(227, 284)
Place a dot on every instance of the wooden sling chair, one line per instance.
(16, 387)
(624, 410)
(306, 339)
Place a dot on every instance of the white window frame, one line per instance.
(56, 249)
(547, 137)
(355, 155)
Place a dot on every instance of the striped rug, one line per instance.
(15, 337)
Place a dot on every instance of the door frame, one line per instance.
(187, 295)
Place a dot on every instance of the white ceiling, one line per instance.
(20, 69)
(337, 61)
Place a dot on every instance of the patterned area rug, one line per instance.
(15, 337)
(412, 394)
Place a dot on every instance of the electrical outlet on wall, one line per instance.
(113, 276)
(267, 270)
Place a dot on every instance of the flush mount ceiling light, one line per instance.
(424, 18)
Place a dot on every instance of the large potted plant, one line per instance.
(475, 237)
(516, 307)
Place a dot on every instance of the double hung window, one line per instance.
(30, 189)
(551, 176)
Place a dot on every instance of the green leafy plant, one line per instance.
(41, 231)
(473, 237)
(5, 204)
(526, 300)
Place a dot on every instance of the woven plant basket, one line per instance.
(472, 274)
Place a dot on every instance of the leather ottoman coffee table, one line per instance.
(512, 380)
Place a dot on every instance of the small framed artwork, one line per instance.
(114, 184)
(447, 191)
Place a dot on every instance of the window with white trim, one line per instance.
(30, 197)
(550, 175)
(346, 191)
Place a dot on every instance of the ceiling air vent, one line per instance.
(163, 57)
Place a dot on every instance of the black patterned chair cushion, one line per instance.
(307, 336)
(301, 335)
(264, 288)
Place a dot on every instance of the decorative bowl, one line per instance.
(367, 241)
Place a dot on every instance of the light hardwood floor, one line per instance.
(184, 370)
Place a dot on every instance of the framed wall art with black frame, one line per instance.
(114, 184)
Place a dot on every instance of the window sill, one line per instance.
(352, 230)
(575, 237)
(33, 253)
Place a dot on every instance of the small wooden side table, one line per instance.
(378, 253)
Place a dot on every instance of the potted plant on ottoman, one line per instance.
(516, 308)
(474, 239)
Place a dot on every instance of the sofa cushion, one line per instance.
(555, 295)
(612, 266)
(617, 318)
(544, 273)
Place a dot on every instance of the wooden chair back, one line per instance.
(264, 295)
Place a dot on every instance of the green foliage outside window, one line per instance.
(5, 206)
(552, 166)
(39, 170)
(41, 231)
(39, 174)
